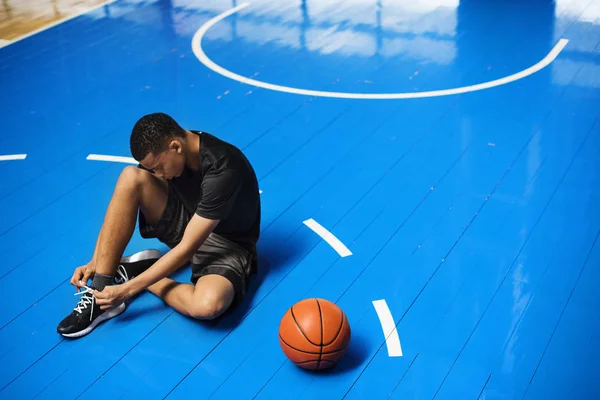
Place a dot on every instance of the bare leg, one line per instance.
(209, 298)
(135, 189)
(138, 189)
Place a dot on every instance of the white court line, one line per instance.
(100, 157)
(328, 237)
(13, 157)
(390, 333)
(4, 43)
(197, 48)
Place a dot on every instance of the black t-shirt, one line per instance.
(224, 188)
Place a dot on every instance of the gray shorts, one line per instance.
(217, 255)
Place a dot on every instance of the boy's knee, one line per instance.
(208, 307)
(131, 177)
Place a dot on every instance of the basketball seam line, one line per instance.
(300, 328)
(311, 352)
(338, 331)
(321, 345)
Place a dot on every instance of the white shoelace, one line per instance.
(123, 273)
(90, 300)
(85, 301)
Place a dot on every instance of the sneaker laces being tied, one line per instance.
(91, 299)
(86, 300)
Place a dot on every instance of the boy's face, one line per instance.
(166, 164)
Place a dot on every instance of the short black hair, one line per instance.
(151, 133)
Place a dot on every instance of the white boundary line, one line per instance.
(100, 157)
(392, 340)
(12, 157)
(328, 237)
(4, 43)
(197, 48)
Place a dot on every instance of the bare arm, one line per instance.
(195, 234)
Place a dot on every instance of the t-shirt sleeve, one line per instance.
(219, 192)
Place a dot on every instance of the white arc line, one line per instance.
(4, 43)
(197, 48)
(390, 333)
(328, 237)
(100, 157)
(11, 157)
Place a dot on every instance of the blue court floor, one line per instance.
(449, 150)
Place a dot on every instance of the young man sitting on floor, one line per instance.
(195, 193)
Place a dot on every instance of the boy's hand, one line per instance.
(82, 275)
(111, 296)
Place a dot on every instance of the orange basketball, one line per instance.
(314, 334)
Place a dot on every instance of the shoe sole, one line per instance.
(141, 256)
(105, 316)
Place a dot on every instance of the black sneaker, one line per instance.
(134, 265)
(86, 316)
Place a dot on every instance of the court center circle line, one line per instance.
(197, 49)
